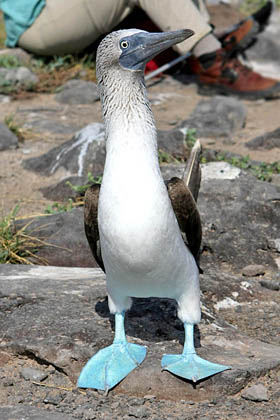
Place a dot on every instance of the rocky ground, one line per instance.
(54, 319)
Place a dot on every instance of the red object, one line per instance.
(151, 66)
(224, 75)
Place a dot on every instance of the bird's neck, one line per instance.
(127, 114)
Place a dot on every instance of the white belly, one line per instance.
(142, 248)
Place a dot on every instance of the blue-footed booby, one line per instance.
(131, 224)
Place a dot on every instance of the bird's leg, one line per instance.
(112, 364)
(189, 365)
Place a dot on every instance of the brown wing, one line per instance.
(181, 193)
(187, 214)
(91, 223)
(192, 172)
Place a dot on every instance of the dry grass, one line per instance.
(17, 245)
(50, 81)
(2, 31)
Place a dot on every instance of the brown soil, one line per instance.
(176, 103)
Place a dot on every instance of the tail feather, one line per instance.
(192, 172)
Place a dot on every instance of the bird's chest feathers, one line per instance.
(134, 207)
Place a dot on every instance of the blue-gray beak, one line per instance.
(139, 48)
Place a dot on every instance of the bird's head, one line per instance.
(132, 49)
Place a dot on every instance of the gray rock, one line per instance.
(8, 382)
(25, 76)
(138, 412)
(53, 399)
(234, 214)
(170, 170)
(256, 393)
(277, 244)
(18, 76)
(253, 270)
(172, 142)
(275, 179)
(264, 55)
(32, 374)
(266, 48)
(65, 236)
(21, 55)
(218, 116)
(84, 153)
(219, 170)
(4, 99)
(270, 284)
(266, 141)
(78, 92)
(41, 124)
(61, 318)
(21, 412)
(8, 140)
(62, 191)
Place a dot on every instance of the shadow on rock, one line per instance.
(150, 319)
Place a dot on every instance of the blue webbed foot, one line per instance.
(113, 363)
(110, 365)
(189, 365)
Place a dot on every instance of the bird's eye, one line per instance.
(124, 44)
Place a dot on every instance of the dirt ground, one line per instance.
(171, 103)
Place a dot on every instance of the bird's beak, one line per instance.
(144, 46)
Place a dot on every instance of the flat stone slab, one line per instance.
(59, 316)
(31, 413)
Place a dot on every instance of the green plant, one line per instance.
(190, 138)
(242, 162)
(9, 87)
(17, 245)
(9, 120)
(16, 128)
(81, 189)
(56, 207)
(263, 171)
(165, 157)
(52, 64)
(6, 86)
(9, 61)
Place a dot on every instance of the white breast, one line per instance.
(140, 238)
